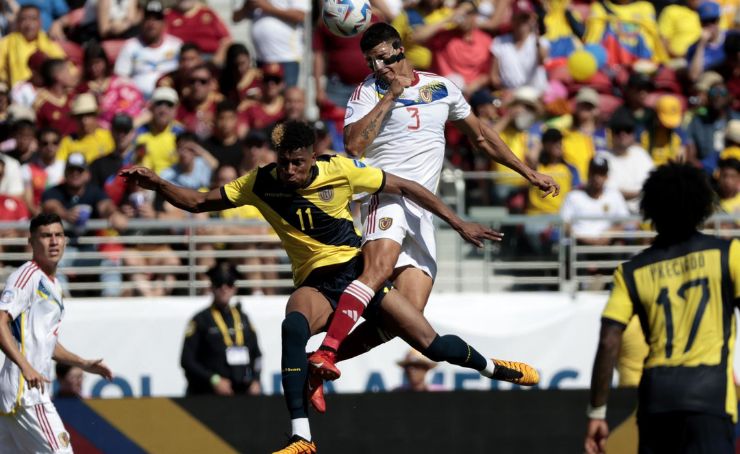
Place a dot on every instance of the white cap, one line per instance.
(527, 95)
(166, 94)
(732, 133)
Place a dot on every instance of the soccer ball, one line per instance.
(346, 18)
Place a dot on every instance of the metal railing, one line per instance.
(192, 246)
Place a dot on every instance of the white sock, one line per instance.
(490, 368)
(301, 428)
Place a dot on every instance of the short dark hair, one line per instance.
(380, 32)
(186, 137)
(729, 163)
(292, 135)
(188, 46)
(62, 370)
(226, 105)
(203, 67)
(677, 199)
(49, 69)
(47, 130)
(43, 219)
(29, 6)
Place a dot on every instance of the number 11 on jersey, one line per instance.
(299, 212)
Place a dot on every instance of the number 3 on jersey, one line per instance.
(415, 119)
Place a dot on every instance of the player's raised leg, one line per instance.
(379, 258)
(306, 313)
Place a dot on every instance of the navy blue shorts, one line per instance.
(331, 281)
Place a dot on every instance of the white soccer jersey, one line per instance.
(34, 301)
(411, 143)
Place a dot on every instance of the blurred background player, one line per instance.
(32, 303)
(221, 354)
(684, 289)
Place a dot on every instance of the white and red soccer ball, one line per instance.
(346, 18)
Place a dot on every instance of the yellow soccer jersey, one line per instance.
(685, 296)
(314, 223)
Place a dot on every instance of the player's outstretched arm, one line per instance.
(183, 198)
(9, 347)
(94, 366)
(610, 340)
(485, 139)
(471, 232)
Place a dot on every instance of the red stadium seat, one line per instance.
(73, 51)
(112, 47)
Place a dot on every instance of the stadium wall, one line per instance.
(141, 340)
(539, 421)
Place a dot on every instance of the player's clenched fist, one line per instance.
(398, 85)
(142, 176)
(596, 435)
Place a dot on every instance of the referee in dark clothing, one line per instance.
(220, 354)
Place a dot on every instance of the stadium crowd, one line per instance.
(594, 93)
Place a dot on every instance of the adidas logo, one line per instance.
(351, 314)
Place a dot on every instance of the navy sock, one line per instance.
(455, 351)
(296, 333)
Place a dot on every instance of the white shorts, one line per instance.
(36, 429)
(395, 218)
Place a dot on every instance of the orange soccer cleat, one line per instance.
(298, 445)
(515, 372)
(321, 363)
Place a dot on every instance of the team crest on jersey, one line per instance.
(8, 296)
(326, 193)
(348, 113)
(385, 223)
(63, 439)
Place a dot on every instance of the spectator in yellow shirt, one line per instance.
(17, 47)
(586, 136)
(540, 234)
(156, 140)
(419, 23)
(680, 27)
(666, 141)
(91, 140)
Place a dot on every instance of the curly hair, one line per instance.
(292, 135)
(677, 199)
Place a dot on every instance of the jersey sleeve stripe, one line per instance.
(27, 277)
(226, 198)
(382, 183)
(19, 275)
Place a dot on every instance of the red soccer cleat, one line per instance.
(315, 391)
(321, 363)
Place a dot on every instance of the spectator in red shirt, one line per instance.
(193, 22)
(52, 103)
(341, 62)
(197, 108)
(240, 80)
(462, 54)
(44, 170)
(189, 58)
(271, 106)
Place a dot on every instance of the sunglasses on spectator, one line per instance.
(273, 79)
(46, 143)
(718, 91)
(163, 103)
(706, 22)
(200, 81)
(623, 131)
